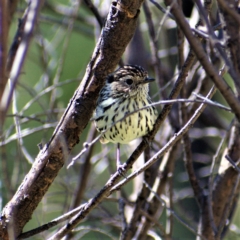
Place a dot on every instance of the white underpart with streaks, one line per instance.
(128, 128)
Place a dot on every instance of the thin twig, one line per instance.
(203, 58)
(16, 65)
(168, 145)
(162, 9)
(51, 224)
(163, 102)
(213, 39)
(210, 180)
(173, 213)
(233, 163)
(95, 12)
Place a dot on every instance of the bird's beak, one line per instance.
(147, 80)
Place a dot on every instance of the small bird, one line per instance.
(117, 113)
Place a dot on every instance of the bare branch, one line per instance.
(121, 22)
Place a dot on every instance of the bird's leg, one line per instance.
(120, 166)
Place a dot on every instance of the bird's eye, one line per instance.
(129, 81)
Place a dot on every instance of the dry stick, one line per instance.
(198, 191)
(216, 43)
(180, 46)
(232, 39)
(187, 159)
(167, 146)
(154, 48)
(130, 228)
(95, 12)
(200, 85)
(210, 180)
(159, 71)
(90, 205)
(51, 224)
(184, 114)
(121, 22)
(18, 130)
(87, 165)
(105, 191)
(63, 21)
(166, 173)
(177, 136)
(203, 58)
(134, 156)
(166, 167)
(163, 150)
(169, 176)
(184, 117)
(46, 90)
(223, 193)
(163, 202)
(87, 144)
(61, 61)
(138, 206)
(230, 177)
(228, 207)
(5, 18)
(84, 174)
(149, 217)
(143, 194)
(27, 132)
(154, 204)
(233, 163)
(86, 229)
(64, 218)
(60, 219)
(165, 111)
(15, 63)
(162, 9)
(84, 171)
(156, 222)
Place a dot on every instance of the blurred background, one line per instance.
(61, 47)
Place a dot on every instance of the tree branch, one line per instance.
(223, 87)
(118, 31)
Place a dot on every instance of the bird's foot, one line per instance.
(121, 168)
